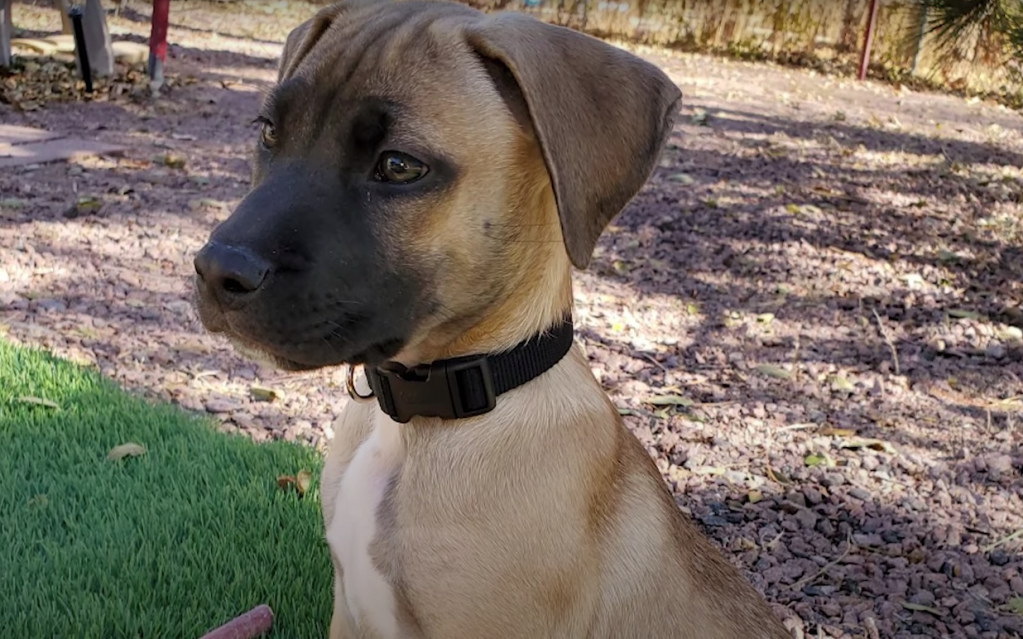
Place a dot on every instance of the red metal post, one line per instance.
(868, 39)
(158, 41)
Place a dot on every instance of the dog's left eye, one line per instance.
(399, 168)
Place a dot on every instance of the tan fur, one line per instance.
(545, 517)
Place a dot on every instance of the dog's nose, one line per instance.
(231, 270)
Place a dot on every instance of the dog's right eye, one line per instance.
(267, 133)
(399, 168)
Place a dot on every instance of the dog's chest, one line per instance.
(355, 526)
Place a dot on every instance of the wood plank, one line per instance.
(10, 135)
(54, 150)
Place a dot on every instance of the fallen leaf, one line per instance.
(130, 449)
(777, 477)
(669, 400)
(261, 394)
(84, 205)
(908, 605)
(1015, 605)
(840, 383)
(831, 431)
(867, 442)
(174, 161)
(302, 481)
(818, 459)
(754, 496)
(960, 313)
(791, 208)
(38, 501)
(776, 372)
(765, 318)
(38, 401)
(682, 178)
(283, 481)
(708, 470)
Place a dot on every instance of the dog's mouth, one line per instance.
(298, 341)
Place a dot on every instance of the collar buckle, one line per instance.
(451, 389)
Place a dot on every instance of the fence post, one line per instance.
(919, 39)
(6, 30)
(868, 39)
(158, 42)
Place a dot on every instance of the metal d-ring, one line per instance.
(350, 387)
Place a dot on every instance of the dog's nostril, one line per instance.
(234, 286)
(230, 269)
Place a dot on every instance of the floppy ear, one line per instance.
(601, 117)
(302, 39)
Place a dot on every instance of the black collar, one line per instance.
(466, 386)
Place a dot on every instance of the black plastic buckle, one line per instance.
(432, 391)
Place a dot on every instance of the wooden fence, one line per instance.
(823, 31)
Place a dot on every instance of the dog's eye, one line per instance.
(398, 168)
(267, 133)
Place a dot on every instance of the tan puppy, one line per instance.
(425, 179)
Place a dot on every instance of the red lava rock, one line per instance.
(879, 227)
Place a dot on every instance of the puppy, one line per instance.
(425, 179)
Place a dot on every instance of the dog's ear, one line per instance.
(303, 37)
(601, 116)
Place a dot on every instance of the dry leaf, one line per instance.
(38, 401)
(776, 372)
(819, 459)
(261, 394)
(960, 313)
(868, 442)
(908, 605)
(302, 481)
(283, 481)
(839, 383)
(669, 400)
(1015, 605)
(130, 449)
(708, 470)
(754, 496)
(838, 432)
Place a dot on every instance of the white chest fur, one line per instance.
(369, 597)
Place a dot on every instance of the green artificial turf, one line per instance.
(167, 544)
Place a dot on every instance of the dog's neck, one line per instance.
(538, 303)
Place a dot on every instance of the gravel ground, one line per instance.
(811, 316)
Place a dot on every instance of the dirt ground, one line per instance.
(811, 316)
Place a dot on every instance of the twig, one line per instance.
(887, 340)
(831, 564)
(247, 626)
(1003, 540)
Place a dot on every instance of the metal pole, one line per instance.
(868, 39)
(75, 13)
(158, 42)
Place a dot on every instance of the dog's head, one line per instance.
(421, 166)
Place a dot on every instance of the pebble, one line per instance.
(832, 479)
(998, 557)
(997, 464)
(806, 518)
(1016, 583)
(995, 350)
(859, 493)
